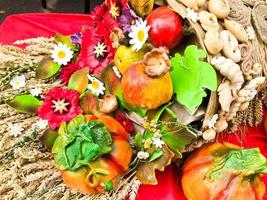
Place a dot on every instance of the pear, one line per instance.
(126, 56)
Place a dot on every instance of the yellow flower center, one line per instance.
(141, 35)
(17, 83)
(95, 85)
(61, 54)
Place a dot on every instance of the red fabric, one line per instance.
(23, 26)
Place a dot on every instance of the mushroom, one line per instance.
(236, 29)
(230, 46)
(208, 21)
(213, 42)
(108, 104)
(116, 37)
(220, 8)
(157, 63)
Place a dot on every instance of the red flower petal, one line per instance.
(125, 122)
(68, 70)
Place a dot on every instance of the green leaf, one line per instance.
(155, 155)
(191, 76)
(65, 39)
(138, 141)
(80, 142)
(79, 80)
(89, 103)
(46, 68)
(113, 86)
(48, 138)
(175, 135)
(248, 162)
(25, 104)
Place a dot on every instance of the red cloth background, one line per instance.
(24, 26)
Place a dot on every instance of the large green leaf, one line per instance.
(46, 68)
(80, 142)
(79, 80)
(191, 76)
(113, 86)
(25, 104)
(65, 39)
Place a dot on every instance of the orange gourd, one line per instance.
(107, 168)
(222, 171)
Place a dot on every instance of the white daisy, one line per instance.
(42, 124)
(116, 71)
(212, 121)
(250, 32)
(142, 155)
(15, 129)
(61, 54)
(192, 15)
(18, 82)
(157, 142)
(36, 92)
(139, 34)
(96, 86)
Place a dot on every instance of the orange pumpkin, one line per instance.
(105, 168)
(222, 171)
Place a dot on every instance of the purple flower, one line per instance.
(76, 39)
(127, 18)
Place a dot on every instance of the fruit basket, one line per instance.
(96, 113)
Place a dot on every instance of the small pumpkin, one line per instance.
(95, 168)
(221, 171)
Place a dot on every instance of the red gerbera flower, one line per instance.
(60, 105)
(96, 51)
(125, 122)
(99, 11)
(68, 70)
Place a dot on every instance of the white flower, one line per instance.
(142, 155)
(116, 71)
(61, 54)
(192, 15)
(250, 32)
(158, 142)
(36, 91)
(96, 86)
(139, 34)
(100, 49)
(212, 121)
(15, 129)
(18, 82)
(42, 124)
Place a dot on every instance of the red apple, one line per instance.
(166, 27)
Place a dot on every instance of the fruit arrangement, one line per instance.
(143, 86)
